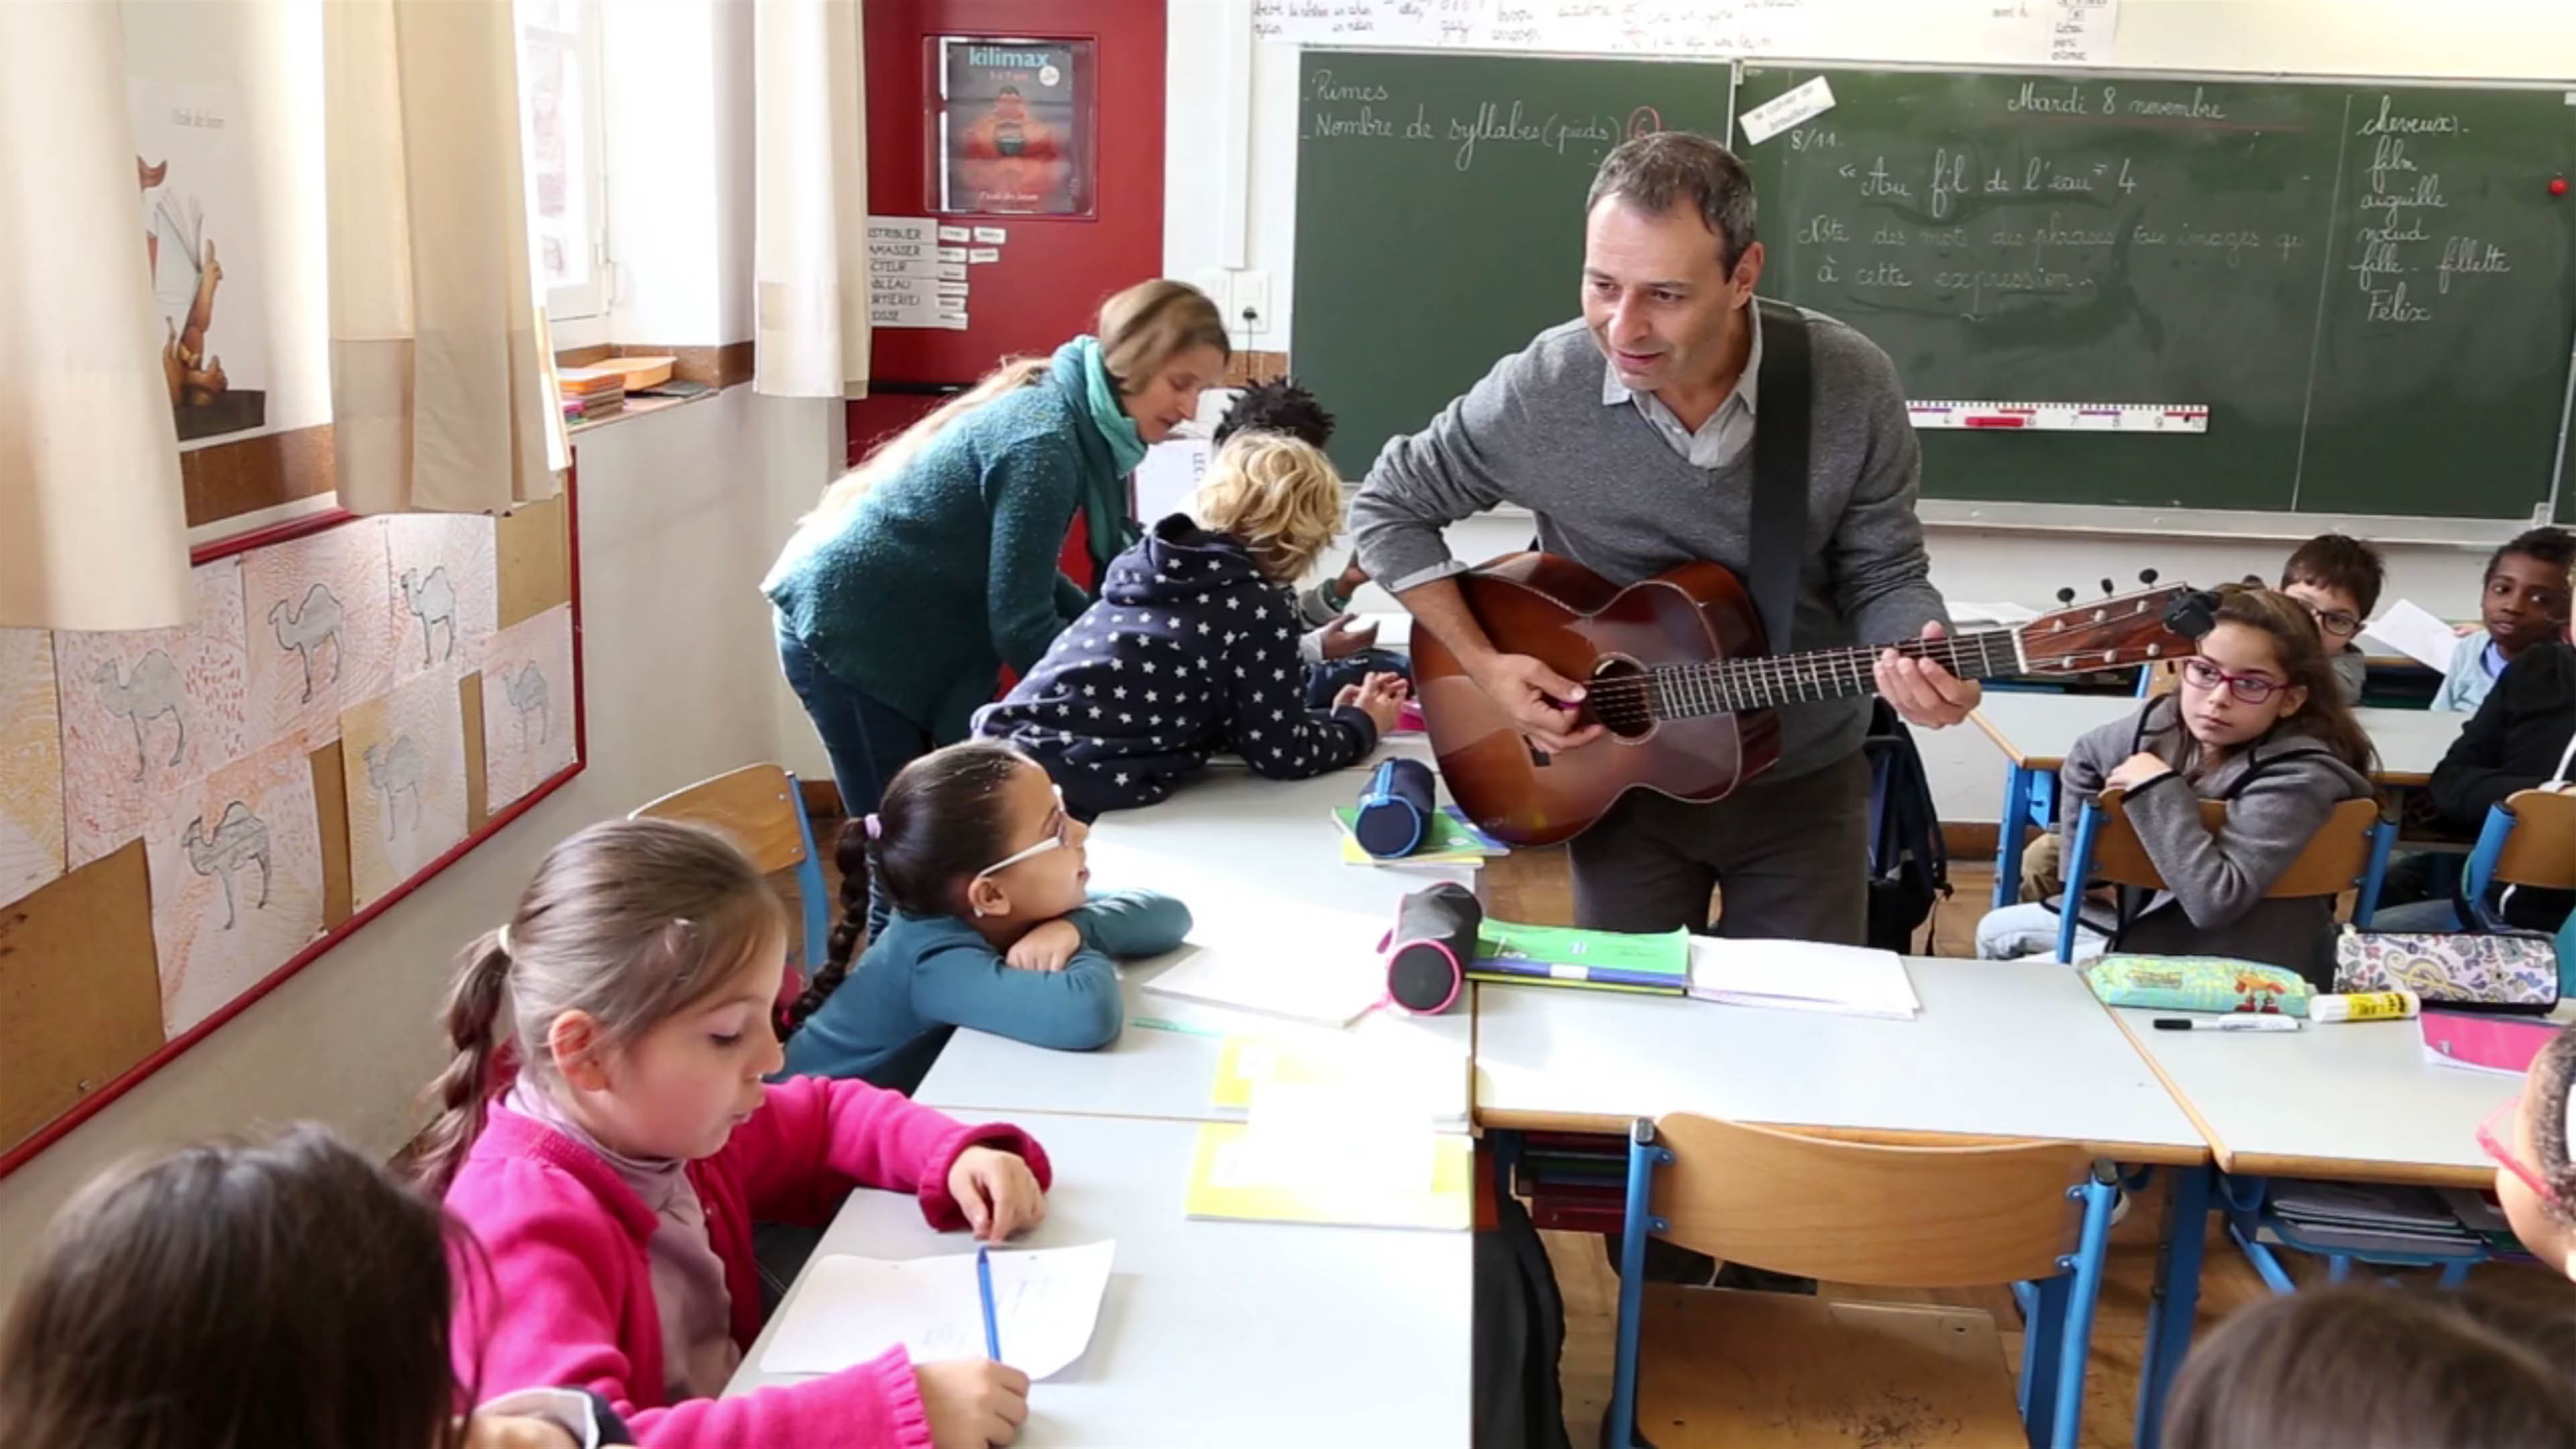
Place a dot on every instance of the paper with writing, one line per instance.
(847, 1310)
(1794, 107)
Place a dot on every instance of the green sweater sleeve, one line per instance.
(1131, 924)
(967, 983)
(1031, 489)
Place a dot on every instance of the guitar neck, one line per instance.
(1731, 686)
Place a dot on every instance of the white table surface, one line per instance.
(1216, 1333)
(2037, 729)
(2354, 1100)
(1259, 864)
(2001, 1049)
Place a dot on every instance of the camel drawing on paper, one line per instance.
(527, 690)
(239, 837)
(393, 769)
(433, 601)
(303, 628)
(149, 692)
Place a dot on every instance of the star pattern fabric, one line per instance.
(1189, 651)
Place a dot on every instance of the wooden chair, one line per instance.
(1772, 1369)
(2529, 840)
(761, 810)
(2350, 850)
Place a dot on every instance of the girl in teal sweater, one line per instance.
(931, 566)
(991, 929)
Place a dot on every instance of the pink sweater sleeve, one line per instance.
(816, 1138)
(545, 1317)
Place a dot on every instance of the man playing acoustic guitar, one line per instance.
(1630, 434)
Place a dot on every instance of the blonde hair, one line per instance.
(1140, 330)
(1277, 494)
(632, 922)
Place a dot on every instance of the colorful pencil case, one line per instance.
(2197, 983)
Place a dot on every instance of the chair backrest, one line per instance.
(762, 811)
(2335, 860)
(2539, 847)
(1853, 1212)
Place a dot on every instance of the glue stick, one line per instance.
(2396, 1005)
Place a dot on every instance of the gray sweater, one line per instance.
(1613, 496)
(2279, 792)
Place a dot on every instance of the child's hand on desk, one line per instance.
(972, 1402)
(2136, 770)
(1044, 948)
(997, 1192)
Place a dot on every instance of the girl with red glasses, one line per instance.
(2257, 724)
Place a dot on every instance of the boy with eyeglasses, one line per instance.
(2338, 578)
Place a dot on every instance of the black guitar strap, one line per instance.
(1783, 395)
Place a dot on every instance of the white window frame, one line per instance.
(590, 298)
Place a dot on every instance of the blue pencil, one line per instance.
(984, 1285)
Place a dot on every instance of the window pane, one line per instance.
(555, 116)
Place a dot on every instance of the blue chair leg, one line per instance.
(2008, 835)
(2079, 866)
(2042, 1342)
(2175, 1299)
(2383, 838)
(1643, 1157)
(2338, 1267)
(2454, 1274)
(2084, 1289)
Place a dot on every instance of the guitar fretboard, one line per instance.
(1730, 686)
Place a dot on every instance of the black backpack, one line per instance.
(1519, 1334)
(1909, 872)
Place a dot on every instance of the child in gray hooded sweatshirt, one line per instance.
(2257, 724)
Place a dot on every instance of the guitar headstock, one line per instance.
(2147, 626)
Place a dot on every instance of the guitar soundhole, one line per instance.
(1622, 698)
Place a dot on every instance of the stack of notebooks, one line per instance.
(2365, 1218)
(592, 392)
(1448, 840)
(1783, 975)
(1653, 965)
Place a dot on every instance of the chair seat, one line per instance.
(1720, 1366)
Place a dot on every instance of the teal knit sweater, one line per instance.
(946, 572)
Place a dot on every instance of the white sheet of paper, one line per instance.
(1327, 978)
(2413, 631)
(848, 1309)
(1792, 107)
(1802, 976)
(956, 233)
(1301, 1132)
(991, 236)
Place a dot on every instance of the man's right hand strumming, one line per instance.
(1546, 705)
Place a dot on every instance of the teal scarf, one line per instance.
(1126, 445)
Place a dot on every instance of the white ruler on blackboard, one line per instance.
(2062, 417)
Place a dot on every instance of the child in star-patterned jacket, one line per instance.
(1192, 647)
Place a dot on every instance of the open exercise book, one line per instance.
(1803, 976)
(1323, 969)
(847, 1310)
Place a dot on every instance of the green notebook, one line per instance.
(1656, 962)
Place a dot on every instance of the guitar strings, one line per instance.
(1754, 671)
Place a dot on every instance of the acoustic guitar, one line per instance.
(1675, 671)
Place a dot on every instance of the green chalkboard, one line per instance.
(2372, 289)
(1440, 215)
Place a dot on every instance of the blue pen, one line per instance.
(984, 1285)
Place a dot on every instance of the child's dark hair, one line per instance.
(286, 1291)
(939, 822)
(2548, 1085)
(631, 922)
(1280, 406)
(2370, 1367)
(2553, 546)
(2301, 651)
(2339, 561)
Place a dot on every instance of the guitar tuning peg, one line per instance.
(2066, 595)
(2147, 577)
(2109, 588)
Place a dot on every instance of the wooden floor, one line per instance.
(1533, 886)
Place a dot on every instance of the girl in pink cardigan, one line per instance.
(613, 1184)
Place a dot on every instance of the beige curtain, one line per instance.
(93, 528)
(810, 200)
(438, 394)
